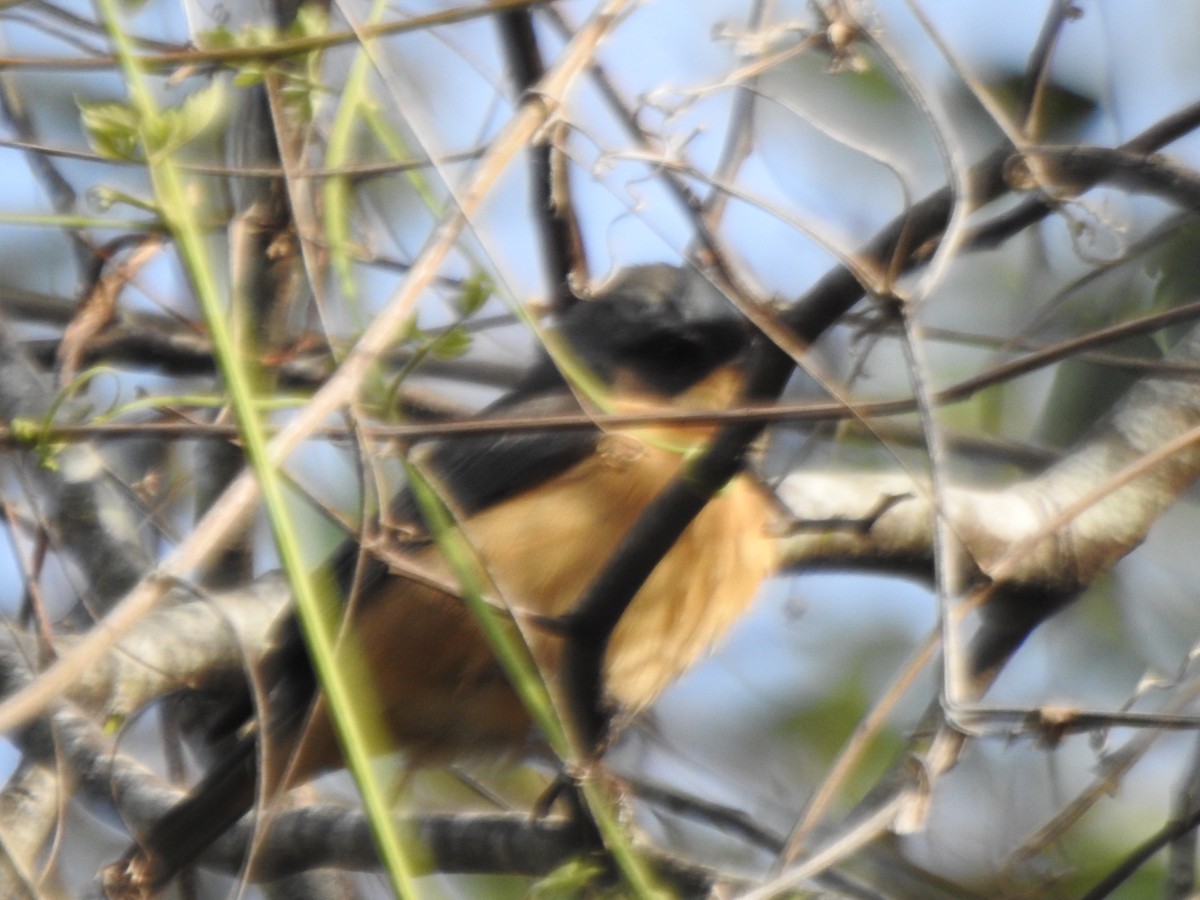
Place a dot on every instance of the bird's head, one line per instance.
(657, 329)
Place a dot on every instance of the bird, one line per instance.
(544, 512)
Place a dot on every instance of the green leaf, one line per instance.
(219, 38)
(409, 331)
(197, 114)
(249, 75)
(26, 431)
(298, 82)
(475, 292)
(451, 343)
(111, 128)
(115, 129)
(570, 879)
(312, 20)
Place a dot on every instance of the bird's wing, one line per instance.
(476, 472)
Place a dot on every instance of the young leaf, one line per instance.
(111, 128)
(475, 292)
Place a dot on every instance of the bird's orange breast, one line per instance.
(544, 548)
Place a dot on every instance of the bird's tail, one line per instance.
(178, 839)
